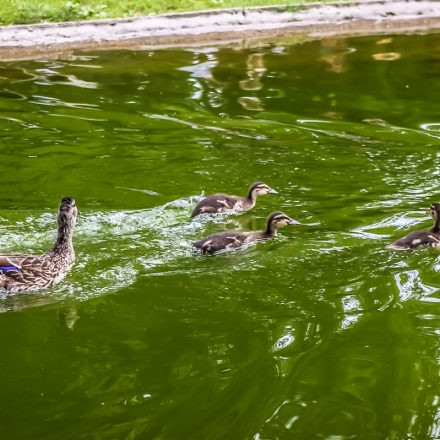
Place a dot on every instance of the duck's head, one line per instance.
(434, 210)
(260, 189)
(278, 220)
(68, 212)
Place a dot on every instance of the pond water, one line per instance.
(319, 333)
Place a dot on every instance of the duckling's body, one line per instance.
(22, 272)
(235, 239)
(422, 238)
(223, 203)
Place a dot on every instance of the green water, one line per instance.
(322, 333)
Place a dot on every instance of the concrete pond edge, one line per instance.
(311, 20)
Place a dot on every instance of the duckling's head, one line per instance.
(260, 189)
(434, 210)
(278, 220)
(68, 212)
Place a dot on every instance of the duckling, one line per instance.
(28, 273)
(234, 239)
(225, 203)
(422, 238)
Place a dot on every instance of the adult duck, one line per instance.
(28, 273)
(223, 203)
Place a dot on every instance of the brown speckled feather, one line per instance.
(417, 239)
(220, 241)
(216, 203)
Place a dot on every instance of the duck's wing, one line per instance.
(12, 261)
(27, 272)
(415, 240)
(221, 241)
(10, 269)
(216, 203)
(15, 265)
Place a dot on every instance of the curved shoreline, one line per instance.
(311, 20)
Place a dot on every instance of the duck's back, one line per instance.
(21, 272)
(216, 203)
(221, 241)
(416, 239)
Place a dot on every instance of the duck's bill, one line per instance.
(272, 191)
(293, 222)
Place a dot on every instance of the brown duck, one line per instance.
(28, 273)
(422, 238)
(223, 203)
(235, 239)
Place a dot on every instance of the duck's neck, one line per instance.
(251, 197)
(64, 241)
(271, 230)
(436, 227)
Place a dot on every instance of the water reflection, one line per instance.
(386, 56)
(336, 51)
(255, 72)
(384, 41)
(410, 284)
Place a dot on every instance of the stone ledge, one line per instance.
(313, 19)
